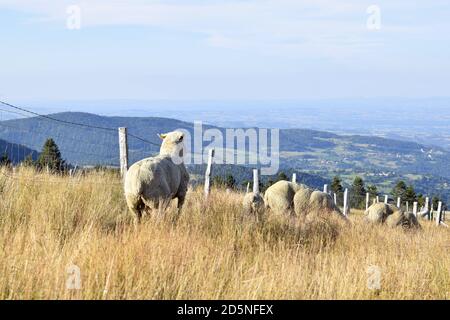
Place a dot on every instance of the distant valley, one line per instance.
(320, 154)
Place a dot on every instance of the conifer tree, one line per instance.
(50, 157)
(358, 193)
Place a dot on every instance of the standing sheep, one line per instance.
(152, 182)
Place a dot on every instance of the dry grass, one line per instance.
(210, 252)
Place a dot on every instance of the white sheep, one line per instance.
(153, 182)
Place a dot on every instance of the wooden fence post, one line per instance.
(427, 207)
(335, 198)
(123, 150)
(255, 181)
(208, 172)
(248, 187)
(325, 188)
(415, 208)
(346, 202)
(294, 178)
(378, 199)
(399, 202)
(386, 199)
(367, 200)
(439, 214)
(73, 171)
(407, 206)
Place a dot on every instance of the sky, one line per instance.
(223, 49)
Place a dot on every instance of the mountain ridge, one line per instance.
(304, 150)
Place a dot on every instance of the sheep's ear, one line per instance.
(162, 136)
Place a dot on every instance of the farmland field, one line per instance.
(49, 224)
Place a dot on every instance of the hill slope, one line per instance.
(16, 152)
(379, 160)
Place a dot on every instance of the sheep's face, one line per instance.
(173, 145)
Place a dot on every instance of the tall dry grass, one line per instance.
(212, 251)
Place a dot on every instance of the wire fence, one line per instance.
(81, 144)
(27, 130)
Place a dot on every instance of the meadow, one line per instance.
(49, 224)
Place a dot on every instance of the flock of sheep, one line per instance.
(152, 183)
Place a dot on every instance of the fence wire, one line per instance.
(102, 149)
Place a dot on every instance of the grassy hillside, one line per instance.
(49, 223)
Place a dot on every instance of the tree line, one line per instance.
(358, 191)
(49, 159)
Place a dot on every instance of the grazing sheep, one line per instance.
(279, 197)
(290, 197)
(253, 204)
(392, 216)
(405, 220)
(152, 182)
(301, 201)
(312, 203)
(378, 212)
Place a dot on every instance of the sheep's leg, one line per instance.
(164, 199)
(181, 199)
(136, 206)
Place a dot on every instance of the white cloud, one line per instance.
(321, 28)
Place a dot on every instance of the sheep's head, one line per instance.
(173, 145)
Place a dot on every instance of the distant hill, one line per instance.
(16, 153)
(378, 160)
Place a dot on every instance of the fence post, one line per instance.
(386, 199)
(346, 202)
(294, 178)
(248, 187)
(123, 149)
(255, 181)
(325, 188)
(439, 214)
(367, 200)
(73, 171)
(378, 199)
(415, 208)
(335, 198)
(208, 172)
(399, 202)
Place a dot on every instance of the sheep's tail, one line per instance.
(135, 204)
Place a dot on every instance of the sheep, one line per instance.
(378, 213)
(292, 198)
(253, 204)
(309, 203)
(279, 197)
(381, 213)
(153, 182)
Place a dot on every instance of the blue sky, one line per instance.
(217, 49)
